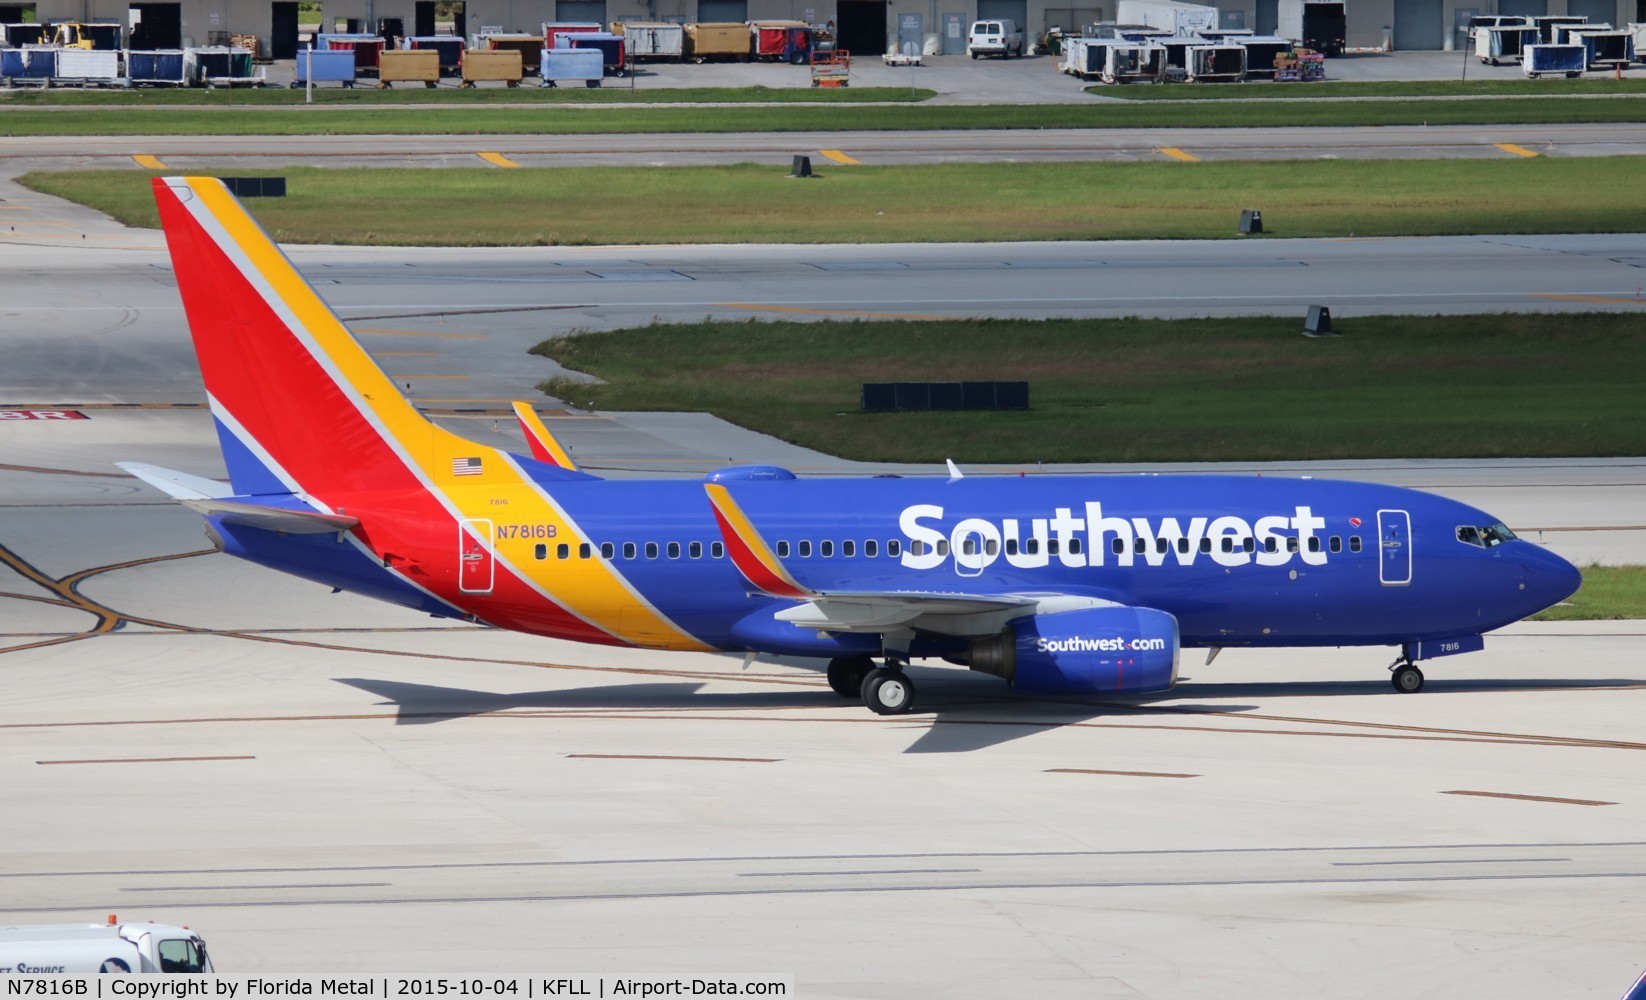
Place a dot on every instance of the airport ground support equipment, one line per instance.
(585, 66)
(1548, 60)
(1495, 44)
(832, 68)
(1168, 15)
(84, 949)
(409, 66)
(1320, 25)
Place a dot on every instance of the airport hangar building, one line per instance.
(865, 27)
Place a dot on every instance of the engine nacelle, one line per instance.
(1091, 651)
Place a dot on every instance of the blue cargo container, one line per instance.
(1541, 60)
(330, 66)
(28, 64)
(573, 65)
(155, 67)
(613, 48)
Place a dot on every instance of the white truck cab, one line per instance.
(994, 38)
(84, 949)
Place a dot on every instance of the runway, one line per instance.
(186, 153)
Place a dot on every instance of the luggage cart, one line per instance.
(219, 66)
(1085, 57)
(449, 47)
(1125, 62)
(155, 68)
(1547, 60)
(1499, 42)
(1216, 63)
(31, 65)
(325, 66)
(557, 66)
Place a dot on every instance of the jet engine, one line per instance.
(1090, 651)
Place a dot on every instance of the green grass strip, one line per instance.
(566, 119)
(1607, 592)
(368, 96)
(1148, 390)
(1267, 90)
(1026, 201)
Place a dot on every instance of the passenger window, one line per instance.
(179, 955)
(783, 550)
(1206, 545)
(1337, 544)
(991, 547)
(1314, 543)
(870, 548)
(651, 550)
(583, 551)
(1183, 545)
(1051, 546)
(969, 547)
(541, 551)
(1270, 545)
(1032, 546)
(1011, 546)
(942, 546)
(1291, 544)
(894, 548)
(628, 550)
(1354, 543)
(825, 549)
(674, 550)
(1248, 544)
(1228, 544)
(696, 550)
(1074, 546)
(562, 551)
(717, 550)
(805, 550)
(848, 548)
(607, 550)
(1160, 545)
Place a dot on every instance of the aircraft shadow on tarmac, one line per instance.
(954, 717)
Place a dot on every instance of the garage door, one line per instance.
(581, 10)
(722, 11)
(1523, 8)
(995, 10)
(1268, 17)
(861, 27)
(1598, 11)
(1418, 25)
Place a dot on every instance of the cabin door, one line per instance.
(476, 565)
(1394, 541)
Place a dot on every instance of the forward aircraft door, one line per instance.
(476, 566)
(1394, 533)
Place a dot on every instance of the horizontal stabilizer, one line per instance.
(177, 485)
(292, 522)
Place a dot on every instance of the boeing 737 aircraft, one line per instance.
(1058, 585)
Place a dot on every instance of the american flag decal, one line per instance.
(466, 467)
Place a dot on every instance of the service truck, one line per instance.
(1315, 24)
(1168, 15)
(83, 949)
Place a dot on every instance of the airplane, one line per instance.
(1059, 585)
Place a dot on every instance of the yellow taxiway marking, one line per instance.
(497, 159)
(1609, 299)
(756, 307)
(418, 333)
(1509, 147)
(1178, 154)
(147, 162)
(839, 157)
(408, 354)
(427, 378)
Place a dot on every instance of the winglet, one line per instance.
(748, 551)
(954, 470)
(543, 445)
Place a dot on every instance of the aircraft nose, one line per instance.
(1547, 578)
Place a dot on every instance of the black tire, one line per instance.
(888, 692)
(974, 55)
(1407, 679)
(846, 674)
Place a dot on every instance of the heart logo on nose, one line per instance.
(1354, 522)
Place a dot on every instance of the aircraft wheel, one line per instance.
(1407, 679)
(888, 692)
(846, 675)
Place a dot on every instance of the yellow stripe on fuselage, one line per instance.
(590, 588)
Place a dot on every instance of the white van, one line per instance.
(995, 38)
(81, 949)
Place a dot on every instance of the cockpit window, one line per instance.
(1487, 536)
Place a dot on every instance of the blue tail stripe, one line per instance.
(247, 473)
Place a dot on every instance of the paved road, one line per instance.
(184, 153)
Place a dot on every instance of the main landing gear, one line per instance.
(886, 690)
(1405, 677)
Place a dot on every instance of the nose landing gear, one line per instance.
(1405, 677)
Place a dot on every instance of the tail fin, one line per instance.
(300, 406)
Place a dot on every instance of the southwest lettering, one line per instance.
(1228, 539)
